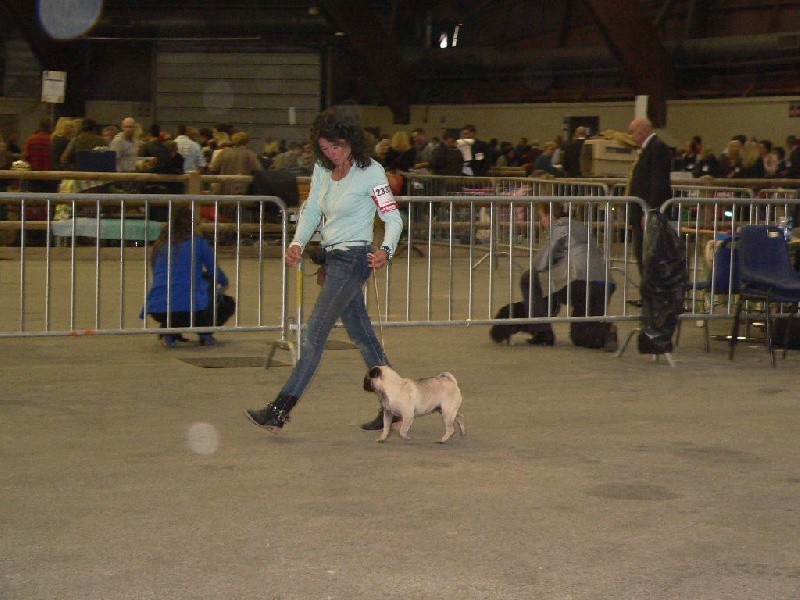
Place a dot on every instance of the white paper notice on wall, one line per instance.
(54, 84)
(292, 116)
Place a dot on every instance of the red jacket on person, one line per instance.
(37, 151)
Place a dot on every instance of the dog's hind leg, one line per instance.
(460, 420)
(448, 416)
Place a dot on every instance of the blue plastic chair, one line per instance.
(723, 279)
(767, 276)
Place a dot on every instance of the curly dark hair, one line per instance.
(336, 124)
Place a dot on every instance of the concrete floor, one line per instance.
(129, 473)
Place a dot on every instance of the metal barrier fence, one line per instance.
(704, 221)
(79, 264)
(461, 258)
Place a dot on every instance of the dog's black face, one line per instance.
(373, 373)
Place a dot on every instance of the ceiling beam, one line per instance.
(636, 44)
(373, 52)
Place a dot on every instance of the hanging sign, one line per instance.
(54, 84)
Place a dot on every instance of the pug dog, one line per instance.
(410, 398)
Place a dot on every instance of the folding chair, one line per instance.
(766, 276)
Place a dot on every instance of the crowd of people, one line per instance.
(453, 152)
(154, 149)
(466, 154)
(743, 157)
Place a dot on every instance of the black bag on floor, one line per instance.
(663, 281)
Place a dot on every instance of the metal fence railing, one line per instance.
(78, 264)
(75, 264)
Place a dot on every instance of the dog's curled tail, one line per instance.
(448, 375)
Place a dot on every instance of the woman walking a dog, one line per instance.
(347, 189)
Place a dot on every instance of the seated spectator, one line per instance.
(447, 158)
(752, 162)
(155, 147)
(543, 163)
(87, 139)
(400, 155)
(207, 143)
(271, 147)
(521, 150)
(707, 164)
(381, 148)
(109, 131)
(508, 156)
(221, 141)
(125, 145)
(731, 160)
(235, 160)
(307, 160)
(782, 165)
(529, 160)
(62, 134)
(174, 278)
(288, 159)
(37, 154)
(769, 159)
(558, 153)
(190, 150)
(423, 149)
(175, 160)
(564, 262)
(171, 165)
(691, 156)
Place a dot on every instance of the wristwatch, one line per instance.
(387, 250)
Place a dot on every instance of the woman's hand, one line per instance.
(379, 259)
(293, 254)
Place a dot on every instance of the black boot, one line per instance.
(377, 423)
(273, 416)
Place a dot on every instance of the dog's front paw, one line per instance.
(381, 439)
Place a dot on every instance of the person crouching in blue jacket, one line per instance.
(180, 278)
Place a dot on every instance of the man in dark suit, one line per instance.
(476, 152)
(649, 179)
(571, 158)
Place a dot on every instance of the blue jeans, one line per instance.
(342, 295)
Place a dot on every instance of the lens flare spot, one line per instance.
(202, 438)
(67, 19)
